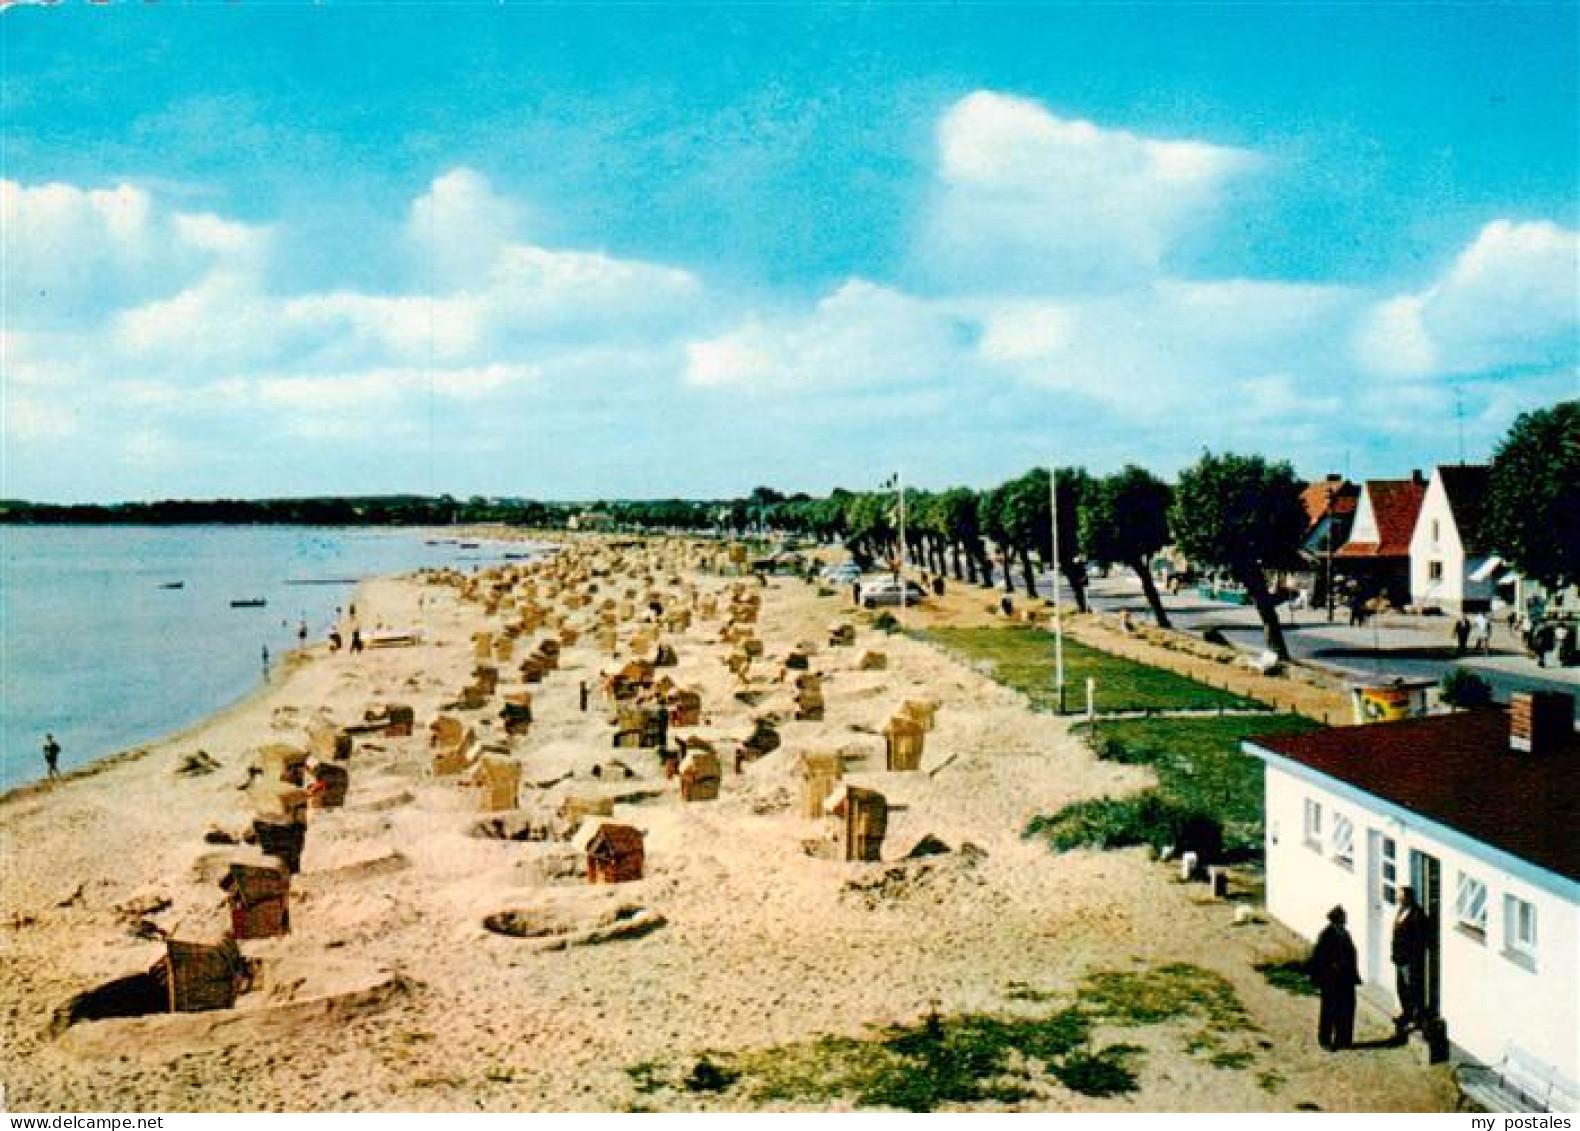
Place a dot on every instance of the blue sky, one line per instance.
(580, 251)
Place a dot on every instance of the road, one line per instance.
(1396, 646)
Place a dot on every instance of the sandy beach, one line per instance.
(389, 993)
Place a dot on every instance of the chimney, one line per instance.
(1540, 721)
(1417, 478)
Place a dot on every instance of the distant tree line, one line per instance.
(1240, 515)
(379, 510)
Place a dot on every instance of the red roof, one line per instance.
(1458, 771)
(1395, 505)
(1316, 498)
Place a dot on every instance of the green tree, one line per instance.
(1244, 515)
(869, 527)
(1125, 520)
(1074, 486)
(1532, 515)
(1025, 509)
(958, 512)
(990, 519)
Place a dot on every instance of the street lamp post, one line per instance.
(899, 485)
(1327, 538)
(1058, 603)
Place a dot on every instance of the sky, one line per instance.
(587, 251)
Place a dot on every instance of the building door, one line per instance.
(1382, 894)
(1426, 876)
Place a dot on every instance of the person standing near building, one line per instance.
(1408, 953)
(1335, 968)
(51, 757)
(1483, 628)
(1461, 635)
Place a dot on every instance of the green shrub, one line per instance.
(885, 622)
(1463, 688)
(1103, 1073)
(1291, 975)
(705, 1076)
(1146, 818)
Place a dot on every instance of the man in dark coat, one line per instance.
(1336, 971)
(1407, 950)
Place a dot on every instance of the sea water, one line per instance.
(95, 648)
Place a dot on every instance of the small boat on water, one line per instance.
(249, 603)
(173, 585)
(470, 545)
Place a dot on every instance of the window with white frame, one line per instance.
(1519, 928)
(1470, 906)
(1388, 880)
(1342, 841)
(1434, 571)
(1313, 824)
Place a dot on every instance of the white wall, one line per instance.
(1447, 592)
(1364, 528)
(1488, 999)
(1455, 587)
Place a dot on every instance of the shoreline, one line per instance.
(289, 663)
(396, 996)
(286, 663)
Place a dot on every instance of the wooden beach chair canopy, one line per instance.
(861, 821)
(614, 853)
(202, 976)
(259, 896)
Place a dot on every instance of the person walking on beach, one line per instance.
(356, 640)
(51, 757)
(301, 634)
(1335, 968)
(266, 661)
(1407, 950)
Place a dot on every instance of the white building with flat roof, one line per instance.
(1486, 834)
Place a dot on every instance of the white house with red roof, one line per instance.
(1488, 835)
(1377, 554)
(1451, 567)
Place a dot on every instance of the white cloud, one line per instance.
(858, 336)
(188, 344)
(459, 227)
(1027, 331)
(380, 389)
(1511, 298)
(1051, 290)
(1028, 199)
(72, 253)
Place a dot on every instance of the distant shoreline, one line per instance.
(286, 662)
(289, 663)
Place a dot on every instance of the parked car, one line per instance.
(887, 591)
(843, 573)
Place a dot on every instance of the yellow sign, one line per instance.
(1385, 704)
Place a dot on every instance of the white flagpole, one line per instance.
(899, 482)
(1058, 603)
